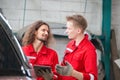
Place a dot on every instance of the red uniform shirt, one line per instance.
(82, 58)
(45, 56)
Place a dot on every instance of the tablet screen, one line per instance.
(37, 68)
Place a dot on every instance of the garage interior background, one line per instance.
(21, 13)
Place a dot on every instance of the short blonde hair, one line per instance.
(78, 20)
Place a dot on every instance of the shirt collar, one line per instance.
(83, 42)
(43, 49)
(70, 48)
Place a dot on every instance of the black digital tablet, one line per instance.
(38, 68)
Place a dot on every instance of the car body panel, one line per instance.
(13, 63)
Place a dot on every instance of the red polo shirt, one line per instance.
(82, 58)
(45, 56)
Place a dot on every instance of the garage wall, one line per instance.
(60, 45)
(116, 21)
(22, 12)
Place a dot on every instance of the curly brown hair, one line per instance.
(29, 35)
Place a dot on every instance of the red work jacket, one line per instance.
(45, 56)
(82, 58)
